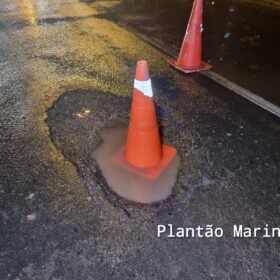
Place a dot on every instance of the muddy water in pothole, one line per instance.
(126, 184)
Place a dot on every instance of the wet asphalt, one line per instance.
(66, 74)
(240, 38)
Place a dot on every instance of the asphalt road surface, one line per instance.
(66, 73)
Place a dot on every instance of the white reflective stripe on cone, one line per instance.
(144, 86)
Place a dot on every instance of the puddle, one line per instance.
(129, 185)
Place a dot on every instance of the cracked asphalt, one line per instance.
(66, 74)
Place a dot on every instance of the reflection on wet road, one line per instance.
(240, 40)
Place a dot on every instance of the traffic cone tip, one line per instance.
(142, 72)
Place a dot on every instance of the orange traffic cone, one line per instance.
(144, 154)
(189, 59)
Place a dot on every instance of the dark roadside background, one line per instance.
(241, 39)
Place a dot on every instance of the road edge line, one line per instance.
(250, 96)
